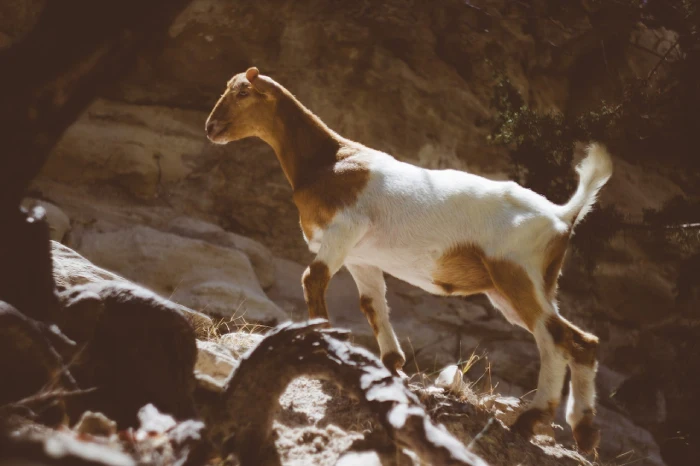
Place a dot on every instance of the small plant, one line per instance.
(541, 147)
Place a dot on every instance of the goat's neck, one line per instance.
(302, 142)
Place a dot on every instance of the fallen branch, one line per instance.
(251, 399)
(29, 362)
(51, 395)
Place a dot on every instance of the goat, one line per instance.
(445, 231)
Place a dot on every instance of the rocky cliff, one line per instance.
(135, 186)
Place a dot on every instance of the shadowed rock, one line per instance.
(135, 348)
(28, 365)
(70, 269)
(292, 350)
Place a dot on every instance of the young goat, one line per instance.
(445, 231)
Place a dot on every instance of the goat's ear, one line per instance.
(251, 74)
(261, 83)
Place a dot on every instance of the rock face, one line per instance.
(260, 257)
(17, 19)
(199, 274)
(148, 198)
(210, 269)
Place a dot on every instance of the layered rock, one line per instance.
(199, 274)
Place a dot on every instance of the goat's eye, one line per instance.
(243, 93)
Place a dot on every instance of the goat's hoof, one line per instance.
(526, 422)
(322, 325)
(326, 324)
(394, 362)
(587, 435)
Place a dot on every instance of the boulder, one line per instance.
(260, 257)
(214, 366)
(134, 347)
(70, 269)
(450, 378)
(217, 359)
(203, 276)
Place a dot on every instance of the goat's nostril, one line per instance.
(210, 127)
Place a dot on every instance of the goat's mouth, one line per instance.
(214, 136)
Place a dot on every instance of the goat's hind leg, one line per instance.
(580, 410)
(561, 343)
(549, 385)
(516, 295)
(579, 348)
(372, 287)
(582, 348)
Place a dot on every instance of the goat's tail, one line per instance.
(593, 171)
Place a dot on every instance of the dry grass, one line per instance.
(234, 324)
(480, 387)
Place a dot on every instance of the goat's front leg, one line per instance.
(372, 287)
(338, 240)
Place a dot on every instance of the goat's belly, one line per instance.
(424, 282)
(412, 268)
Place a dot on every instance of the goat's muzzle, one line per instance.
(215, 128)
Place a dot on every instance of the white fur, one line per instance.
(594, 171)
(407, 217)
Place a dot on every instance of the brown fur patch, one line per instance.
(393, 361)
(528, 419)
(513, 283)
(465, 270)
(315, 281)
(461, 270)
(577, 344)
(587, 435)
(333, 188)
(318, 164)
(553, 261)
(369, 312)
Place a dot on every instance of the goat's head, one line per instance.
(246, 109)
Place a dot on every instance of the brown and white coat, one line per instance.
(445, 231)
